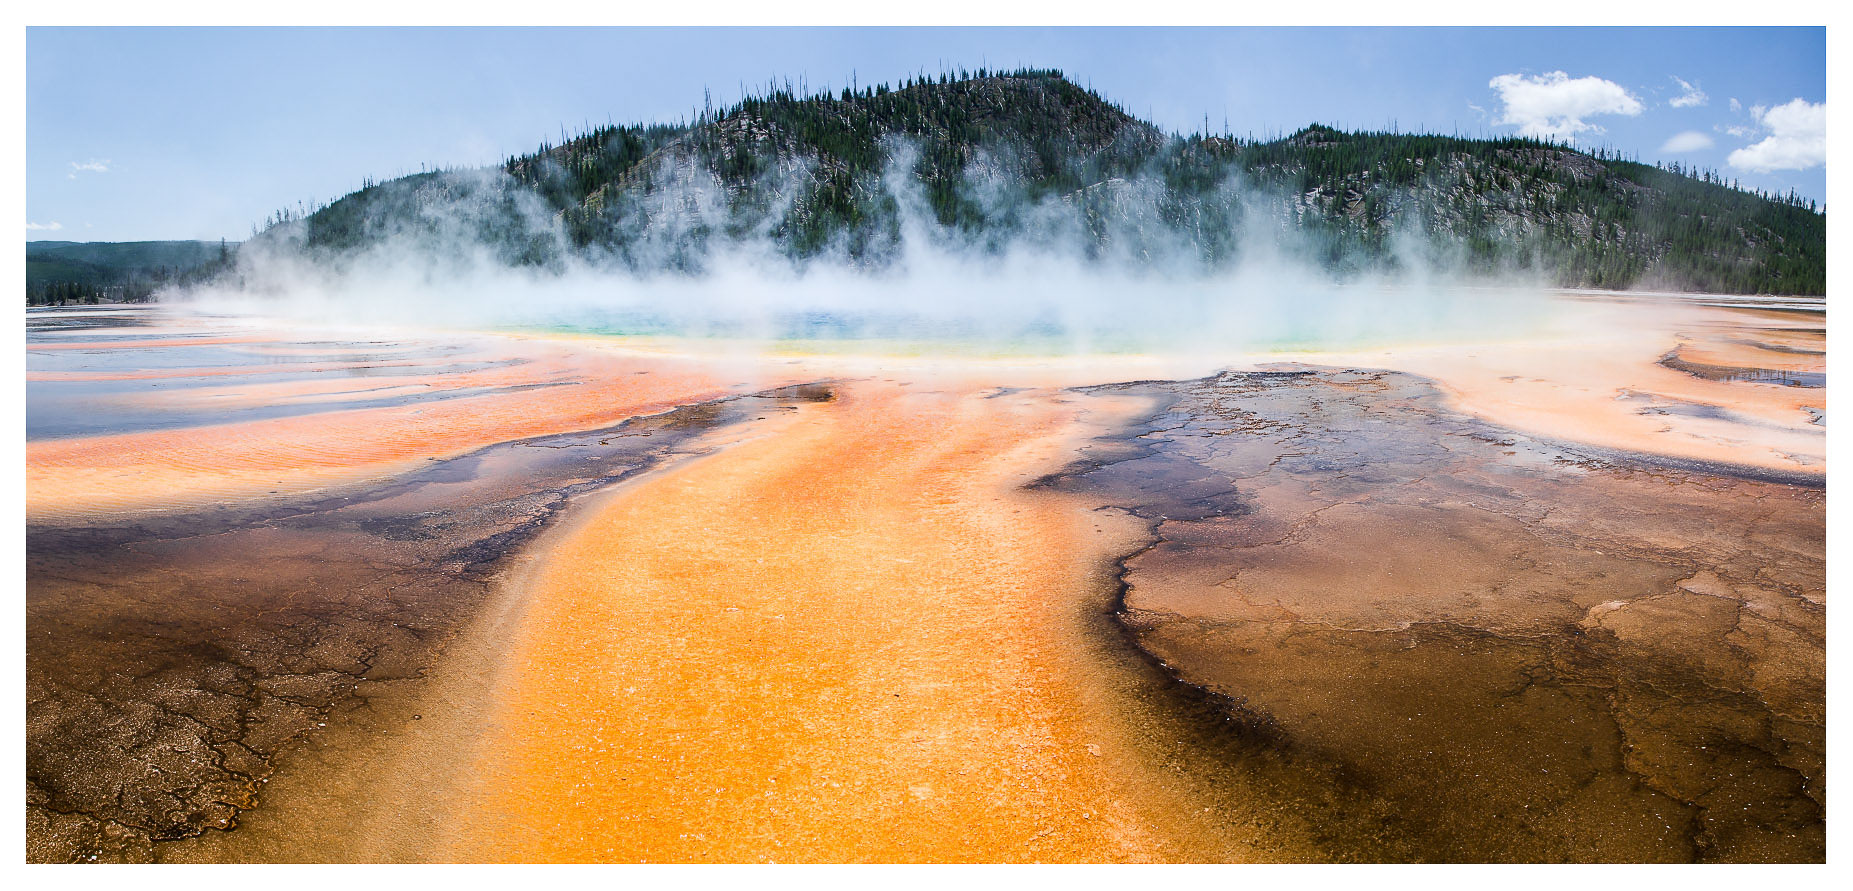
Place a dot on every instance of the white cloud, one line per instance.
(91, 166)
(1739, 132)
(1736, 105)
(1797, 138)
(1554, 105)
(52, 226)
(1689, 141)
(1690, 97)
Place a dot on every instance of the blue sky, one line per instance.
(199, 133)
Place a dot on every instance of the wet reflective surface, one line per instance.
(372, 598)
(138, 427)
(169, 661)
(124, 369)
(236, 538)
(1596, 375)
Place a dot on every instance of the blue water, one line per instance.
(64, 408)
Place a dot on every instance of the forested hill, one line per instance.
(90, 272)
(988, 160)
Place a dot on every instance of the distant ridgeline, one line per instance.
(991, 160)
(61, 272)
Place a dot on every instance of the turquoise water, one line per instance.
(893, 333)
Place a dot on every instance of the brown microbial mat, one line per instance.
(518, 599)
(1451, 642)
(171, 659)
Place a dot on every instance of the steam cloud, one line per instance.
(1089, 272)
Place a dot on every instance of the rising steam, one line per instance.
(1093, 271)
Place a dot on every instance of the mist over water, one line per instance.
(1070, 278)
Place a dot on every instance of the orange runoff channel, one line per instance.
(846, 638)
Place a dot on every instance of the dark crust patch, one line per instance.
(1441, 640)
(171, 660)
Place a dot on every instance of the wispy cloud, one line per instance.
(1555, 105)
(52, 226)
(1736, 105)
(1689, 141)
(1797, 138)
(1690, 95)
(91, 166)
